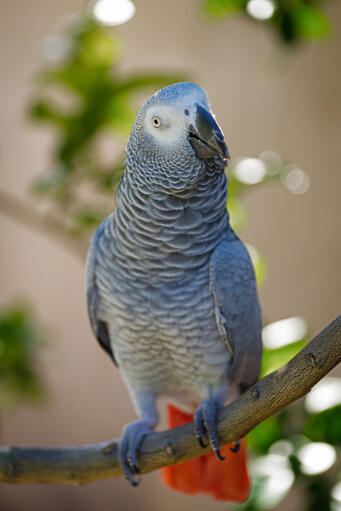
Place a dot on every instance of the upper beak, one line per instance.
(206, 137)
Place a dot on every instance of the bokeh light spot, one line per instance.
(336, 492)
(282, 447)
(260, 9)
(113, 12)
(273, 162)
(250, 170)
(277, 478)
(285, 331)
(324, 395)
(295, 180)
(316, 457)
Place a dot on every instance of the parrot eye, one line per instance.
(156, 122)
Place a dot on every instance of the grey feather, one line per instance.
(233, 285)
(99, 327)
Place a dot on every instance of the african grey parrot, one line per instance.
(170, 287)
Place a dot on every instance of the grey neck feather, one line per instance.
(164, 231)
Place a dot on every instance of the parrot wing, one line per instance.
(237, 311)
(99, 327)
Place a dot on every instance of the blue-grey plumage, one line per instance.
(171, 289)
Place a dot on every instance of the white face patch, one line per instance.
(166, 124)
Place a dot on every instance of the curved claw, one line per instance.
(135, 468)
(235, 447)
(206, 425)
(132, 437)
(218, 454)
(127, 471)
(202, 442)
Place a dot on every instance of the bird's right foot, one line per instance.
(206, 425)
(128, 449)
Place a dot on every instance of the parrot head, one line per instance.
(176, 139)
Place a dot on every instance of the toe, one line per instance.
(218, 454)
(122, 456)
(210, 412)
(236, 447)
(200, 431)
(134, 447)
(132, 437)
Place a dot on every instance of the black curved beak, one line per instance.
(206, 137)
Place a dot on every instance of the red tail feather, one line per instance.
(223, 480)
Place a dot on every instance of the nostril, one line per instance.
(186, 111)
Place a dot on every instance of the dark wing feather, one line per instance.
(237, 310)
(99, 327)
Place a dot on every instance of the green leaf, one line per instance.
(109, 180)
(19, 341)
(292, 20)
(136, 82)
(86, 219)
(235, 187)
(310, 22)
(324, 426)
(220, 8)
(120, 115)
(273, 359)
(259, 264)
(43, 111)
(265, 434)
(237, 213)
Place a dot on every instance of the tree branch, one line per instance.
(83, 464)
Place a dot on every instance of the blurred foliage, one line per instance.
(292, 20)
(19, 340)
(277, 442)
(275, 358)
(324, 426)
(83, 97)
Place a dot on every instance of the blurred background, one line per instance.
(73, 75)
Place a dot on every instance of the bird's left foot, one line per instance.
(206, 425)
(128, 449)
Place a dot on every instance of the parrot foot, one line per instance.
(206, 425)
(128, 449)
(236, 447)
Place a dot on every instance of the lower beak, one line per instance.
(206, 137)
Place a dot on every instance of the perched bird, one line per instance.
(171, 289)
